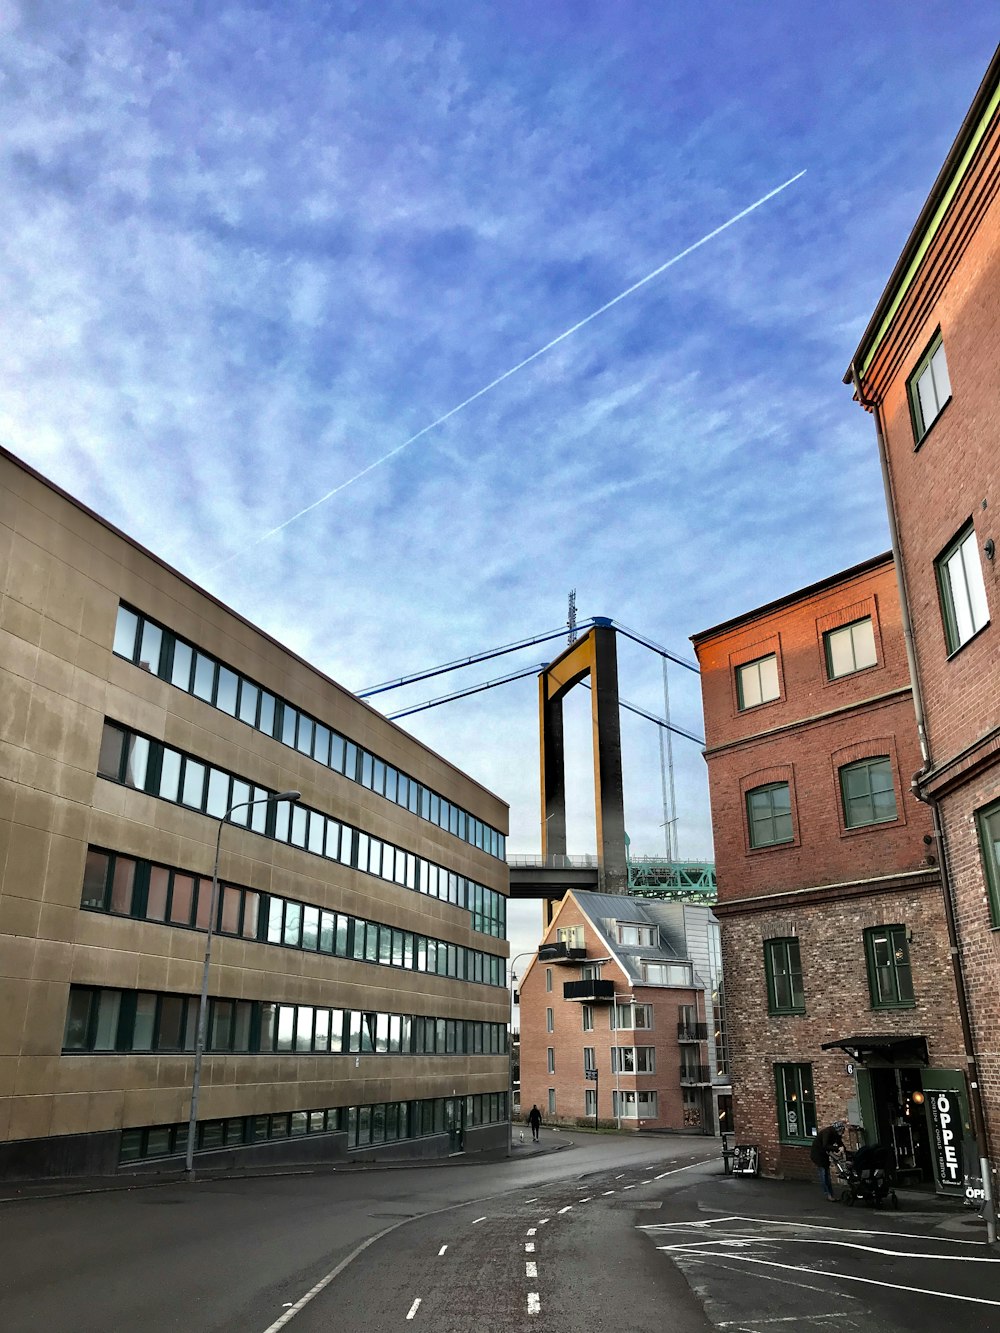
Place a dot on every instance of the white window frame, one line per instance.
(962, 590)
(860, 636)
(757, 683)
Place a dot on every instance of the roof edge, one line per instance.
(984, 106)
(800, 595)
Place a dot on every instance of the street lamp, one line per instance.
(528, 953)
(199, 1041)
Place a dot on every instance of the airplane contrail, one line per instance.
(554, 342)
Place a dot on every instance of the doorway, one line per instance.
(895, 1118)
(454, 1123)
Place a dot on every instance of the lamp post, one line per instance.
(528, 953)
(199, 1041)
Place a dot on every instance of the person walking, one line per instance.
(828, 1142)
(535, 1121)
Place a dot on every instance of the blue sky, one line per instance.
(249, 249)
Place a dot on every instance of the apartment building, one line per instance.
(623, 1016)
(840, 988)
(926, 369)
(357, 987)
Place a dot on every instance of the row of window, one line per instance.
(126, 886)
(846, 649)
(158, 650)
(624, 1017)
(867, 794)
(102, 1019)
(365, 1126)
(887, 958)
(157, 769)
(625, 1105)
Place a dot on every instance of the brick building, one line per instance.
(631, 988)
(839, 985)
(926, 368)
(357, 991)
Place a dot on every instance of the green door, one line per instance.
(949, 1126)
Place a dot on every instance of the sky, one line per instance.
(252, 254)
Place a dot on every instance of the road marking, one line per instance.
(703, 1224)
(542, 1221)
(586, 1200)
(621, 1177)
(442, 1250)
(785, 1319)
(647, 1182)
(534, 1200)
(532, 1231)
(534, 1303)
(414, 1308)
(566, 1209)
(742, 1241)
(529, 1247)
(530, 1268)
(628, 1187)
(679, 1168)
(478, 1220)
(852, 1277)
(607, 1192)
(770, 1277)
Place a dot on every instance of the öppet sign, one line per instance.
(946, 1123)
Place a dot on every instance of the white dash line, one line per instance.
(586, 1200)
(648, 1182)
(628, 1187)
(442, 1250)
(621, 1177)
(566, 1209)
(532, 1231)
(478, 1220)
(534, 1200)
(531, 1269)
(607, 1192)
(534, 1303)
(542, 1221)
(414, 1308)
(529, 1247)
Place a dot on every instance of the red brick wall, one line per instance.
(569, 1039)
(837, 1002)
(953, 476)
(791, 740)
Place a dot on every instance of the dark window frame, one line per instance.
(899, 970)
(804, 1096)
(780, 949)
(953, 642)
(922, 428)
(752, 824)
(867, 765)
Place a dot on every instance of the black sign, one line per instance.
(591, 1073)
(745, 1159)
(945, 1109)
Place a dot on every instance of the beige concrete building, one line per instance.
(357, 989)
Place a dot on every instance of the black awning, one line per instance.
(889, 1047)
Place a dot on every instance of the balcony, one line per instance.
(691, 1074)
(692, 1031)
(561, 953)
(589, 991)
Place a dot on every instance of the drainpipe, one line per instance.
(975, 1097)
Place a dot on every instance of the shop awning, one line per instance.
(887, 1046)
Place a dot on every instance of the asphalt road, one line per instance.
(636, 1234)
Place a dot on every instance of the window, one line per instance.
(989, 839)
(549, 1025)
(667, 974)
(628, 1016)
(589, 1058)
(796, 1103)
(548, 978)
(551, 1054)
(784, 977)
(588, 1017)
(962, 591)
(552, 1101)
(769, 814)
(590, 972)
(590, 1101)
(634, 1105)
(571, 936)
(889, 980)
(930, 388)
(757, 682)
(867, 792)
(850, 648)
(643, 936)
